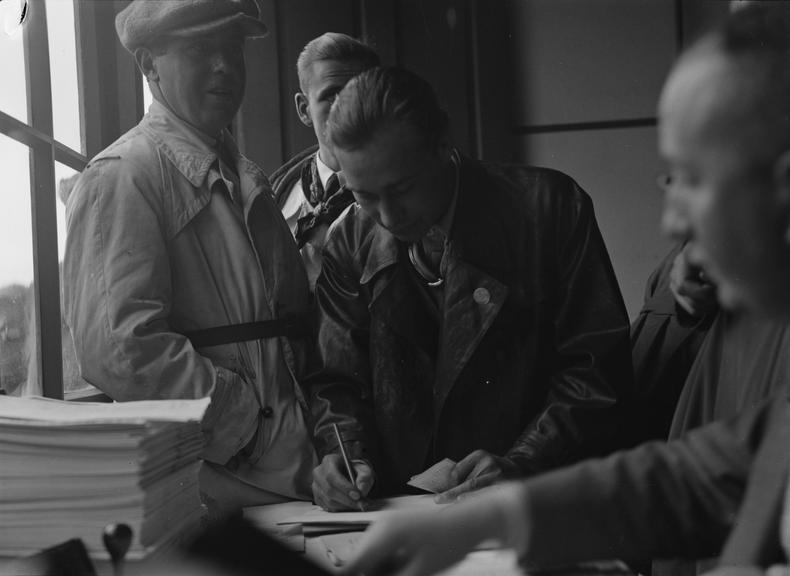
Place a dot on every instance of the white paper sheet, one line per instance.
(379, 508)
(45, 410)
(435, 479)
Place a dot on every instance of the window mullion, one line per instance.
(69, 157)
(43, 198)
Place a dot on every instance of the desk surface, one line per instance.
(490, 562)
(316, 547)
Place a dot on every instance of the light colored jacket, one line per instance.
(157, 247)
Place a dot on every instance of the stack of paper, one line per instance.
(68, 469)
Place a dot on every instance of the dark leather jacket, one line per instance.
(532, 354)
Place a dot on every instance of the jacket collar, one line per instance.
(190, 150)
(479, 269)
(477, 234)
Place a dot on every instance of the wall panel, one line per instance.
(581, 61)
(618, 169)
(433, 41)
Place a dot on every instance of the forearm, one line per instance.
(567, 430)
(338, 384)
(147, 372)
(338, 403)
(589, 360)
(675, 499)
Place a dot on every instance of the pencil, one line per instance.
(349, 469)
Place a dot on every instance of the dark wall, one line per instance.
(455, 45)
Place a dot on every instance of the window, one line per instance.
(16, 275)
(12, 66)
(62, 43)
(148, 98)
(63, 60)
(65, 178)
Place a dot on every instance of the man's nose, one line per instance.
(220, 62)
(674, 218)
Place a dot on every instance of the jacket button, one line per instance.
(267, 412)
(481, 296)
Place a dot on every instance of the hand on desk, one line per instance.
(477, 470)
(333, 491)
(425, 541)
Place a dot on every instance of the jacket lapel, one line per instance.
(396, 294)
(472, 300)
(473, 296)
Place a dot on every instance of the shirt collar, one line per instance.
(192, 151)
(324, 171)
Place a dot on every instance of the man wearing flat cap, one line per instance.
(181, 277)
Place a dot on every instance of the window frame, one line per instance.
(110, 101)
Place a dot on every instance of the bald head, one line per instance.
(724, 132)
(742, 71)
(721, 101)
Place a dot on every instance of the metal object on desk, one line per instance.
(117, 538)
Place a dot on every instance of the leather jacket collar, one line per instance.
(477, 236)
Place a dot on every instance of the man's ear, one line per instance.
(782, 190)
(145, 62)
(303, 108)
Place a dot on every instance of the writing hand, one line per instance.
(477, 470)
(332, 489)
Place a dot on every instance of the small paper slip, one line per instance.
(435, 479)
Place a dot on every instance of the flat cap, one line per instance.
(145, 20)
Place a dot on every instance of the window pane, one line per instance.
(148, 98)
(65, 178)
(17, 313)
(63, 71)
(13, 99)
